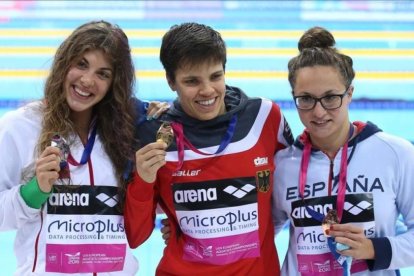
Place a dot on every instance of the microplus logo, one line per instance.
(239, 193)
(260, 161)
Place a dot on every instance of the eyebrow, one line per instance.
(218, 72)
(102, 68)
(326, 93)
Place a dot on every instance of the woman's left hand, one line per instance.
(360, 246)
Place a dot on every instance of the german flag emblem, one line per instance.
(263, 180)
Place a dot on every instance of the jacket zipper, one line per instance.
(331, 165)
(37, 241)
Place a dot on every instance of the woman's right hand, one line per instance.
(149, 159)
(47, 168)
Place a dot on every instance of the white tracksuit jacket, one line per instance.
(78, 230)
(380, 186)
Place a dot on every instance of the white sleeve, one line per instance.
(279, 215)
(403, 245)
(13, 210)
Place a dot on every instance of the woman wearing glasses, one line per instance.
(342, 185)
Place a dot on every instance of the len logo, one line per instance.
(263, 180)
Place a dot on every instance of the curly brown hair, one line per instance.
(115, 113)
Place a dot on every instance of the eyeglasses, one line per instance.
(328, 102)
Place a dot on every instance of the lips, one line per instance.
(81, 93)
(320, 123)
(207, 102)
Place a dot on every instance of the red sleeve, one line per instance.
(283, 131)
(139, 211)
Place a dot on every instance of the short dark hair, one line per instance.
(189, 44)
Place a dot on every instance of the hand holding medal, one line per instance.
(330, 219)
(151, 157)
(59, 142)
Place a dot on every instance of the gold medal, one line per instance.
(165, 133)
(330, 219)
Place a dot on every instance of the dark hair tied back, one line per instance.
(316, 37)
(317, 48)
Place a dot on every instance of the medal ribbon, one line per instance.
(340, 199)
(86, 152)
(183, 142)
(344, 261)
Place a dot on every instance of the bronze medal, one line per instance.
(330, 219)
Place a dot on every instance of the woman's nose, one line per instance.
(87, 80)
(207, 89)
(318, 109)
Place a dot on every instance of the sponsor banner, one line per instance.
(222, 251)
(357, 208)
(74, 229)
(313, 254)
(88, 200)
(311, 240)
(325, 264)
(215, 194)
(219, 220)
(223, 222)
(85, 258)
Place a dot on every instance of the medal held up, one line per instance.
(59, 142)
(165, 133)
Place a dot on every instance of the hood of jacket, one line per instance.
(365, 130)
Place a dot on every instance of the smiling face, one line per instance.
(327, 128)
(201, 89)
(87, 82)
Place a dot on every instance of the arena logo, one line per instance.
(239, 192)
(196, 195)
(357, 209)
(110, 201)
(67, 199)
(302, 213)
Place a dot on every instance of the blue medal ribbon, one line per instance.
(183, 142)
(87, 150)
